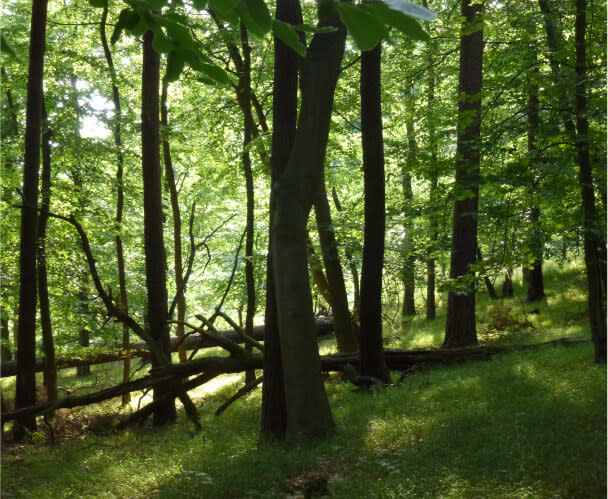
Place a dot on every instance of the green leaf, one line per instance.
(156, 4)
(255, 15)
(216, 73)
(224, 8)
(365, 27)
(175, 66)
(177, 32)
(97, 3)
(199, 4)
(140, 27)
(127, 19)
(399, 20)
(411, 9)
(289, 36)
(161, 43)
(6, 47)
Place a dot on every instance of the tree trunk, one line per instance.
(345, 336)
(5, 351)
(50, 367)
(371, 349)
(595, 285)
(25, 387)
(460, 325)
(178, 267)
(486, 279)
(536, 289)
(408, 275)
(507, 285)
(156, 264)
(351, 264)
(433, 221)
(308, 411)
(120, 258)
(244, 98)
(316, 271)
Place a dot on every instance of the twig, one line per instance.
(243, 391)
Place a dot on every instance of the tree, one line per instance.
(371, 350)
(25, 394)
(460, 326)
(307, 407)
(156, 264)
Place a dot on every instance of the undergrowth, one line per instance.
(527, 424)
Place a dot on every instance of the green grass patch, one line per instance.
(525, 424)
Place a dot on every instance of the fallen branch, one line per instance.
(243, 391)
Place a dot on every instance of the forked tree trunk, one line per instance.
(46, 327)
(345, 335)
(284, 116)
(25, 388)
(371, 350)
(156, 263)
(120, 257)
(596, 287)
(460, 325)
(308, 411)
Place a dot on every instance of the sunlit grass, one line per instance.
(527, 424)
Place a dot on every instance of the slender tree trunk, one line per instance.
(120, 257)
(284, 117)
(25, 388)
(486, 279)
(318, 277)
(351, 264)
(345, 335)
(371, 349)
(460, 325)
(48, 346)
(433, 222)
(308, 411)
(244, 97)
(5, 351)
(156, 263)
(595, 285)
(507, 285)
(178, 267)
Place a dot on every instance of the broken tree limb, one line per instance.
(396, 360)
(243, 391)
(141, 349)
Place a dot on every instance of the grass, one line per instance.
(527, 424)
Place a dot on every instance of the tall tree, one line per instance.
(284, 119)
(120, 257)
(460, 325)
(308, 411)
(371, 350)
(156, 264)
(25, 387)
(46, 326)
(596, 287)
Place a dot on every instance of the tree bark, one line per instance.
(460, 324)
(345, 335)
(26, 339)
(595, 285)
(120, 257)
(5, 351)
(156, 279)
(308, 411)
(316, 271)
(46, 327)
(178, 267)
(371, 349)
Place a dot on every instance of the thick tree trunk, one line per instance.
(120, 257)
(5, 351)
(308, 411)
(284, 116)
(371, 349)
(156, 264)
(345, 335)
(48, 346)
(178, 267)
(460, 325)
(536, 289)
(595, 285)
(26, 339)
(507, 285)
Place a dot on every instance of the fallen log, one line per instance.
(141, 349)
(396, 360)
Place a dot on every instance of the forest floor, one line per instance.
(524, 424)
